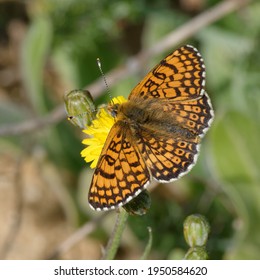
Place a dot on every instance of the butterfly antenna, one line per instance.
(104, 77)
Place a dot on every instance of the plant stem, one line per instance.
(148, 245)
(115, 238)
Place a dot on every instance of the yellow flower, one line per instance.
(98, 131)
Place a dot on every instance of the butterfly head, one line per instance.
(113, 108)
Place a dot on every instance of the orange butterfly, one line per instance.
(157, 132)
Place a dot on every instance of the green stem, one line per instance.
(148, 245)
(115, 238)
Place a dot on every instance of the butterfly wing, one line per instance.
(195, 115)
(168, 158)
(121, 172)
(180, 76)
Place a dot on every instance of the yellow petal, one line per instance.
(98, 131)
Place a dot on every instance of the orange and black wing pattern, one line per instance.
(165, 144)
(167, 158)
(121, 172)
(180, 76)
(195, 115)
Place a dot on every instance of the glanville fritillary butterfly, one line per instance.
(157, 132)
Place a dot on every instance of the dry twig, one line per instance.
(17, 218)
(76, 237)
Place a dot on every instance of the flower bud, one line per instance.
(196, 230)
(80, 107)
(196, 253)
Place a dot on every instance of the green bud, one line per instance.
(80, 107)
(196, 230)
(196, 253)
(139, 205)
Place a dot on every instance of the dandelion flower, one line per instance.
(98, 132)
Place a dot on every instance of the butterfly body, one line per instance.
(140, 114)
(157, 132)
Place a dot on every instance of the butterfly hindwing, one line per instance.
(167, 158)
(195, 115)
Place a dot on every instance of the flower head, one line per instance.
(98, 132)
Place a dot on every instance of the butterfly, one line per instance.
(157, 131)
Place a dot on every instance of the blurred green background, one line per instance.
(48, 47)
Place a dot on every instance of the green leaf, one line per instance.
(35, 48)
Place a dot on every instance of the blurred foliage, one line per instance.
(49, 47)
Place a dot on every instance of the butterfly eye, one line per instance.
(113, 109)
(80, 107)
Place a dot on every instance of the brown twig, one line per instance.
(134, 64)
(17, 219)
(76, 237)
(54, 116)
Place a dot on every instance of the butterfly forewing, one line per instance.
(121, 172)
(180, 76)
